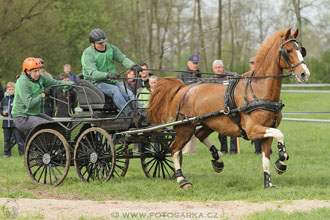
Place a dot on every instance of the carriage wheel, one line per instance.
(122, 161)
(94, 157)
(156, 161)
(47, 157)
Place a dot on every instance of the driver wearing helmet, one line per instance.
(29, 92)
(98, 66)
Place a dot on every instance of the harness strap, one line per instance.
(230, 104)
(181, 100)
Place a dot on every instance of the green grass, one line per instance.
(242, 179)
(307, 176)
(306, 102)
(322, 213)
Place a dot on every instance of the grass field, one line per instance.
(307, 176)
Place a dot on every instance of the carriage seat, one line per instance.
(95, 96)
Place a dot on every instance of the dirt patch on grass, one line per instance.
(53, 209)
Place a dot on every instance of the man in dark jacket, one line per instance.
(8, 126)
(221, 75)
(192, 74)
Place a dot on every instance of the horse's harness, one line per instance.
(230, 107)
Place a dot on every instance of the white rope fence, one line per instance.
(305, 91)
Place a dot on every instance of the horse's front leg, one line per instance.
(180, 178)
(217, 162)
(183, 135)
(266, 145)
(280, 164)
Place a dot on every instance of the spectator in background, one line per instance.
(8, 126)
(145, 93)
(43, 69)
(144, 81)
(130, 82)
(222, 76)
(47, 104)
(2, 92)
(67, 97)
(257, 143)
(67, 70)
(192, 75)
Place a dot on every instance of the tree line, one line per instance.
(162, 33)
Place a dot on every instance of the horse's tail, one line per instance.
(161, 98)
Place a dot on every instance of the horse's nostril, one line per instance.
(303, 75)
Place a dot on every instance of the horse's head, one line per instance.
(291, 56)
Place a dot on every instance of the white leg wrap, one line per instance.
(265, 163)
(276, 133)
(176, 160)
(179, 179)
(220, 156)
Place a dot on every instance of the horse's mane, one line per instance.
(159, 110)
(267, 46)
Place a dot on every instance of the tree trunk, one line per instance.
(297, 10)
(201, 37)
(150, 18)
(232, 35)
(192, 35)
(219, 37)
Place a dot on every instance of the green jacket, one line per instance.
(28, 94)
(96, 65)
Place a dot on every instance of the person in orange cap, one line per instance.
(29, 93)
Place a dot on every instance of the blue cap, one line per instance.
(194, 59)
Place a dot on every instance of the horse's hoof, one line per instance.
(187, 186)
(184, 184)
(217, 166)
(279, 167)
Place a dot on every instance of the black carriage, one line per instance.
(98, 141)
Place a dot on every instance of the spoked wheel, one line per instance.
(156, 161)
(47, 157)
(94, 155)
(122, 161)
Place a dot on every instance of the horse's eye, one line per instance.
(289, 51)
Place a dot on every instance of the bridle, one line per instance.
(283, 52)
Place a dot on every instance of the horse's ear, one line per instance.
(287, 34)
(295, 34)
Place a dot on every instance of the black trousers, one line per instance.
(7, 133)
(257, 146)
(223, 142)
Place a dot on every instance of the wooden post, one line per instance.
(238, 146)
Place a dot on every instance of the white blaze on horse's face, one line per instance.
(302, 76)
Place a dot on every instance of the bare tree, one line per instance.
(298, 6)
(219, 30)
(232, 36)
(192, 32)
(201, 37)
(162, 27)
(13, 19)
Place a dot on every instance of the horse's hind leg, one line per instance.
(183, 135)
(217, 162)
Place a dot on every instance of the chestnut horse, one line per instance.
(172, 100)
